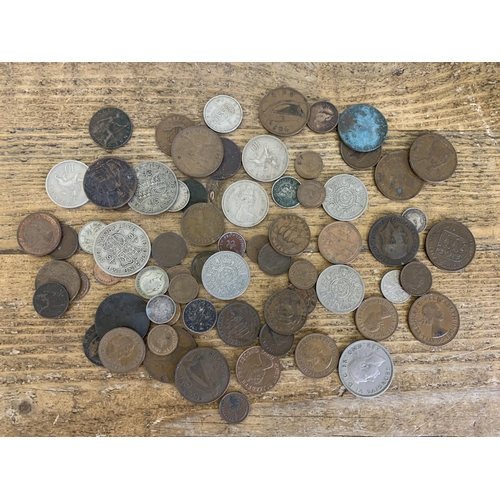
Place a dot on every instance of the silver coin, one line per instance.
(182, 198)
(245, 203)
(225, 275)
(151, 281)
(284, 192)
(392, 289)
(340, 289)
(366, 369)
(223, 114)
(160, 309)
(122, 249)
(64, 184)
(416, 217)
(346, 197)
(157, 188)
(87, 234)
(265, 158)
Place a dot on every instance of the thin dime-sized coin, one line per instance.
(265, 158)
(198, 263)
(174, 271)
(346, 197)
(309, 296)
(231, 162)
(91, 346)
(245, 203)
(308, 164)
(199, 316)
(151, 281)
(87, 235)
(238, 324)
(168, 128)
(360, 160)
(68, 244)
(303, 274)
(51, 300)
(284, 192)
(316, 355)
(311, 194)
(160, 309)
(182, 198)
(254, 244)
(416, 279)
(285, 312)
(183, 288)
(232, 242)
(103, 277)
(64, 184)
(110, 128)
(197, 192)
(62, 272)
(289, 235)
(340, 242)
(433, 319)
(234, 407)
(162, 340)
(84, 287)
(202, 224)
(257, 371)
(376, 318)
(39, 233)
(121, 350)
(417, 217)
(272, 262)
(223, 114)
(323, 117)
(274, 343)
(168, 249)
(392, 289)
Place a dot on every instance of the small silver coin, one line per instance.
(64, 184)
(284, 192)
(151, 281)
(87, 235)
(265, 158)
(392, 289)
(346, 197)
(160, 309)
(223, 114)
(416, 217)
(366, 369)
(182, 198)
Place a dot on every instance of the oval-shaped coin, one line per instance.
(51, 300)
(62, 272)
(316, 355)
(151, 281)
(199, 316)
(285, 312)
(110, 128)
(391, 287)
(160, 309)
(311, 194)
(238, 324)
(121, 350)
(223, 114)
(64, 184)
(265, 158)
(168, 128)
(87, 235)
(231, 162)
(169, 249)
(376, 318)
(323, 117)
(274, 343)
(340, 242)
(417, 217)
(234, 407)
(346, 197)
(284, 192)
(308, 164)
(162, 340)
(39, 233)
(68, 244)
(232, 242)
(416, 279)
(360, 160)
(245, 203)
(257, 371)
(289, 235)
(202, 224)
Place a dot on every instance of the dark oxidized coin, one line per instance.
(289, 235)
(68, 244)
(376, 318)
(232, 242)
(110, 128)
(168, 128)
(308, 164)
(416, 279)
(257, 371)
(359, 160)
(284, 192)
(84, 287)
(169, 249)
(311, 194)
(110, 183)
(91, 346)
(323, 117)
(39, 233)
(309, 296)
(59, 271)
(198, 263)
(274, 343)
(202, 224)
(254, 245)
(316, 355)
(285, 312)
(238, 324)
(197, 193)
(199, 316)
(272, 262)
(50, 300)
(230, 163)
(234, 407)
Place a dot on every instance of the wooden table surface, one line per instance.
(47, 385)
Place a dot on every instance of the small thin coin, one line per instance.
(231, 162)
(121, 350)
(223, 114)
(162, 340)
(265, 158)
(84, 287)
(202, 224)
(308, 164)
(274, 343)
(272, 262)
(91, 346)
(316, 355)
(289, 235)
(323, 117)
(197, 192)
(199, 316)
(303, 274)
(257, 371)
(284, 192)
(110, 128)
(168, 249)
(285, 312)
(168, 128)
(340, 242)
(68, 244)
(311, 194)
(151, 281)
(39, 233)
(416, 279)
(376, 318)
(183, 288)
(238, 324)
(62, 272)
(64, 184)
(182, 198)
(359, 160)
(103, 277)
(417, 217)
(346, 197)
(87, 235)
(51, 300)
(234, 407)
(392, 289)
(198, 263)
(254, 245)
(232, 242)
(309, 296)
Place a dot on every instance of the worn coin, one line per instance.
(68, 244)
(168, 128)
(340, 242)
(285, 312)
(121, 350)
(202, 224)
(62, 272)
(416, 217)
(289, 235)
(64, 184)
(376, 318)
(160, 309)
(182, 198)
(104, 278)
(302, 274)
(177, 315)
(199, 316)
(234, 407)
(346, 197)
(308, 164)
(198, 263)
(223, 114)
(316, 355)
(311, 194)
(284, 192)
(197, 192)
(162, 340)
(272, 262)
(360, 160)
(274, 343)
(238, 324)
(174, 271)
(416, 279)
(308, 295)
(323, 117)
(39, 233)
(245, 203)
(254, 245)
(91, 346)
(214, 192)
(51, 300)
(392, 289)
(110, 128)
(84, 287)
(231, 162)
(87, 235)
(169, 249)
(151, 281)
(265, 158)
(257, 371)
(183, 288)
(232, 242)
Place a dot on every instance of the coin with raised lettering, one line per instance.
(183, 288)
(303, 274)
(245, 203)
(64, 184)
(168, 128)
(151, 281)
(274, 343)
(257, 371)
(162, 340)
(234, 407)
(289, 235)
(416, 279)
(285, 312)
(392, 289)
(88, 233)
(323, 117)
(340, 242)
(360, 160)
(265, 158)
(284, 192)
(346, 197)
(160, 309)
(202, 224)
(182, 198)
(316, 355)
(238, 324)
(417, 217)
(308, 164)
(223, 114)
(232, 242)
(376, 318)
(110, 128)
(311, 194)
(51, 300)
(39, 233)
(62, 272)
(121, 350)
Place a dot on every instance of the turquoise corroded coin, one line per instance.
(284, 192)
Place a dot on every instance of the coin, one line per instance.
(62, 272)
(87, 235)
(202, 224)
(104, 278)
(433, 158)
(182, 198)
(416, 217)
(274, 343)
(340, 289)
(254, 245)
(223, 114)
(362, 127)
(265, 158)
(316, 355)
(91, 346)
(234, 407)
(39, 233)
(392, 289)
(169, 249)
(68, 244)
(238, 324)
(289, 235)
(360, 160)
(284, 192)
(168, 128)
(340, 242)
(323, 117)
(416, 279)
(393, 240)
(231, 162)
(272, 262)
(151, 281)
(84, 287)
(257, 371)
(174, 271)
(199, 316)
(176, 317)
(308, 164)
(245, 203)
(183, 288)
(121, 350)
(110, 128)
(162, 340)
(311, 194)
(214, 192)
(434, 319)
(346, 197)
(197, 192)
(232, 242)
(302, 274)
(160, 309)
(285, 312)
(366, 369)
(64, 184)
(198, 263)
(284, 111)
(51, 300)
(110, 183)
(376, 318)
(309, 297)
(450, 245)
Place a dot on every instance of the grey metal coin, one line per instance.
(346, 197)
(88, 233)
(151, 281)
(157, 188)
(225, 275)
(122, 249)
(392, 289)
(160, 309)
(284, 192)
(416, 217)
(340, 289)
(265, 158)
(366, 369)
(64, 184)
(223, 114)
(182, 198)
(245, 203)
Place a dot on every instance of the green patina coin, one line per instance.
(284, 192)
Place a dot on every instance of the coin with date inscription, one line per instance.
(376, 318)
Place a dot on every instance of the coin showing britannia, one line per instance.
(64, 184)
(346, 197)
(265, 158)
(245, 203)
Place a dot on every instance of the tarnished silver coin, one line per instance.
(416, 217)
(122, 249)
(340, 289)
(245, 203)
(225, 275)
(223, 114)
(265, 158)
(392, 289)
(346, 197)
(284, 192)
(87, 234)
(366, 369)
(160, 309)
(64, 184)
(182, 199)
(157, 188)
(151, 281)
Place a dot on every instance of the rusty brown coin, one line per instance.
(104, 278)
(316, 355)
(238, 324)
(232, 242)
(272, 262)
(309, 296)
(415, 278)
(359, 160)
(177, 315)
(68, 244)
(285, 311)
(183, 288)
(202, 224)
(234, 407)
(84, 287)
(257, 371)
(340, 242)
(174, 271)
(289, 235)
(168, 249)
(162, 340)
(311, 194)
(323, 117)
(254, 244)
(302, 274)
(376, 318)
(198, 263)
(62, 272)
(274, 343)
(121, 350)
(308, 164)
(39, 233)
(168, 128)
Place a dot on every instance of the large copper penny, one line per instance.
(434, 319)
(202, 224)
(183, 288)
(39, 233)
(272, 262)
(340, 242)
(309, 296)
(376, 318)
(68, 244)
(234, 407)
(162, 340)
(198, 263)
(308, 164)
(257, 371)
(254, 244)
(289, 235)
(110, 128)
(238, 324)
(416, 279)
(103, 277)
(323, 117)
(311, 194)
(285, 312)
(168, 128)
(62, 272)
(121, 350)
(169, 249)
(316, 355)
(358, 160)
(274, 343)
(302, 274)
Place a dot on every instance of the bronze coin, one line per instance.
(311, 194)
(234, 407)
(289, 235)
(433, 158)
(84, 287)
(104, 278)
(197, 151)
(394, 177)
(174, 271)
(415, 278)
(323, 117)
(230, 163)
(110, 128)
(257, 371)
(198, 263)
(202, 224)
(434, 319)
(168, 128)
(274, 343)
(450, 245)
(316, 355)
(308, 164)
(214, 192)
(284, 111)
(183, 288)
(162, 340)
(232, 242)
(376, 318)
(359, 160)
(285, 311)
(168, 249)
(177, 315)
(302, 274)
(68, 244)
(121, 350)
(39, 233)
(238, 324)
(62, 272)
(340, 242)
(254, 244)
(50, 300)
(309, 297)
(272, 262)
(197, 193)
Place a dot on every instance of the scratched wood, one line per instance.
(47, 386)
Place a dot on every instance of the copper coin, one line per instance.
(68, 244)
(177, 315)
(434, 319)
(84, 287)
(254, 244)
(62, 272)
(197, 193)
(272, 262)
(39, 233)
(415, 278)
(285, 312)
(104, 278)
(340, 242)
(234, 407)
(274, 343)
(168, 249)
(394, 177)
(202, 224)
(198, 263)
(359, 160)
(302, 274)
(174, 271)
(238, 324)
(311, 194)
(376, 318)
(215, 192)
(110, 128)
(257, 371)
(121, 350)
(450, 245)
(323, 117)
(284, 111)
(197, 151)
(168, 128)
(289, 235)
(433, 158)
(308, 164)
(91, 346)
(231, 162)
(232, 242)
(51, 300)
(309, 296)
(316, 355)
(162, 340)
(183, 288)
